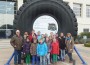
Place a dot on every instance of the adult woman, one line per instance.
(31, 35)
(62, 46)
(69, 46)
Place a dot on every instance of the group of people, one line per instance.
(41, 49)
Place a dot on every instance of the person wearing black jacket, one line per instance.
(62, 46)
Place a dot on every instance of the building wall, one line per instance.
(20, 2)
(83, 21)
(6, 18)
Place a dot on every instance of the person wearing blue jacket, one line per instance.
(42, 51)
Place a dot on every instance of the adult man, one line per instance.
(16, 42)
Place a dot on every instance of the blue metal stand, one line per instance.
(76, 50)
(8, 62)
(83, 61)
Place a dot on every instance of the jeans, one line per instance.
(35, 59)
(62, 54)
(42, 60)
(48, 58)
(17, 57)
(70, 56)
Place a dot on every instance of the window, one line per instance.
(15, 8)
(7, 10)
(86, 30)
(77, 8)
(88, 10)
(7, 7)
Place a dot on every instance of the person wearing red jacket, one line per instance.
(31, 36)
(55, 51)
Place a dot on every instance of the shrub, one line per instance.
(81, 41)
(85, 34)
(87, 45)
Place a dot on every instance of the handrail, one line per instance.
(83, 61)
(8, 62)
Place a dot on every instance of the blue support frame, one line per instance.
(83, 61)
(8, 62)
(76, 50)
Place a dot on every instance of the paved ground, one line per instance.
(85, 52)
(6, 51)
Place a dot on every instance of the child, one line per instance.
(25, 35)
(49, 50)
(24, 40)
(42, 51)
(26, 50)
(33, 52)
(55, 51)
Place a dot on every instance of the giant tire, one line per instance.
(58, 9)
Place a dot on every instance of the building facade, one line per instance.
(81, 9)
(8, 9)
